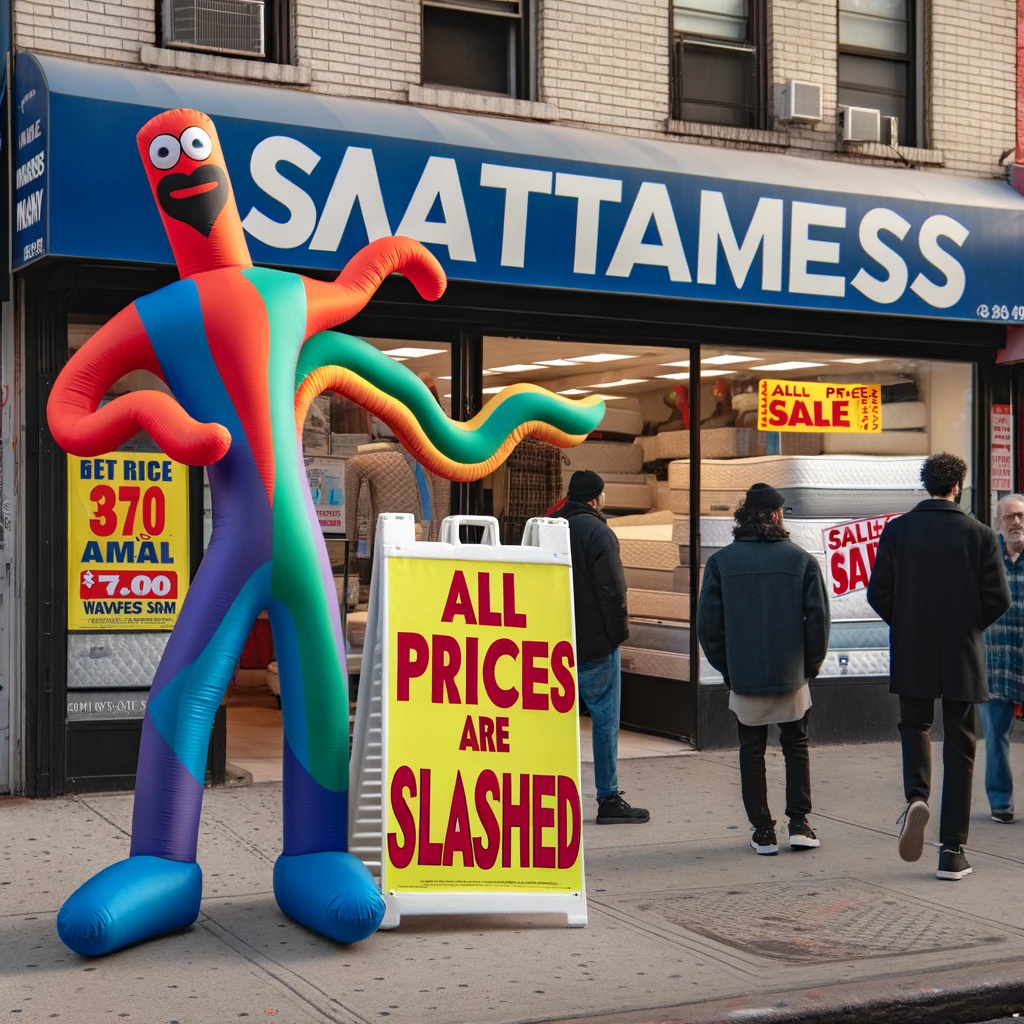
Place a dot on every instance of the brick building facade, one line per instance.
(600, 66)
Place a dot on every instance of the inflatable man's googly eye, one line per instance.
(164, 151)
(196, 143)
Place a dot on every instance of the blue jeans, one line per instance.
(997, 719)
(600, 683)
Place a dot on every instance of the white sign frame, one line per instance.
(545, 542)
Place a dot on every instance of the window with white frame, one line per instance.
(718, 62)
(478, 45)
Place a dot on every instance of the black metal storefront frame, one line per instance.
(54, 290)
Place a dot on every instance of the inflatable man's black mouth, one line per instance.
(195, 199)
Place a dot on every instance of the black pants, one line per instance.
(916, 717)
(753, 741)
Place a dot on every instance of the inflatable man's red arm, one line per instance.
(118, 347)
(329, 304)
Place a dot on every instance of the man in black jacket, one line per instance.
(939, 582)
(763, 621)
(599, 595)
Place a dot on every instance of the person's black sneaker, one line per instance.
(764, 841)
(952, 864)
(802, 837)
(1003, 817)
(914, 821)
(613, 810)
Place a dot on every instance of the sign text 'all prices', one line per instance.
(483, 733)
(128, 553)
(813, 407)
(850, 550)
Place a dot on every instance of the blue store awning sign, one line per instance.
(508, 202)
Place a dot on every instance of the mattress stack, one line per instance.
(904, 421)
(658, 586)
(820, 492)
(615, 451)
(734, 443)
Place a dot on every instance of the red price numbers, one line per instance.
(146, 508)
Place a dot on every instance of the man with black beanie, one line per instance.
(599, 596)
(763, 621)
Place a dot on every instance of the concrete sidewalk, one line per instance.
(686, 923)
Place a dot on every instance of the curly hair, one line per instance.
(942, 472)
(759, 524)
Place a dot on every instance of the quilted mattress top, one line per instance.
(832, 472)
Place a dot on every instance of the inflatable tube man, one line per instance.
(244, 351)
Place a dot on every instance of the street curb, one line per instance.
(962, 996)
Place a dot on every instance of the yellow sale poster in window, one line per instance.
(798, 406)
(482, 748)
(128, 541)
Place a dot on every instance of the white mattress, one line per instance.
(604, 457)
(715, 531)
(838, 472)
(733, 443)
(621, 421)
(904, 415)
(649, 554)
(857, 663)
(661, 664)
(889, 442)
(632, 497)
(650, 579)
(658, 518)
(642, 530)
(658, 604)
(852, 606)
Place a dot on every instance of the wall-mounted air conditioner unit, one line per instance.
(859, 124)
(220, 26)
(798, 101)
(890, 134)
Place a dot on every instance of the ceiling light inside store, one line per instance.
(574, 391)
(557, 362)
(413, 353)
(611, 398)
(682, 362)
(726, 360)
(495, 390)
(860, 359)
(791, 365)
(600, 357)
(682, 375)
(447, 377)
(625, 382)
(516, 368)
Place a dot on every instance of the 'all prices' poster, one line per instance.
(812, 407)
(128, 543)
(482, 747)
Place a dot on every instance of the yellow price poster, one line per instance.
(128, 542)
(482, 747)
(813, 407)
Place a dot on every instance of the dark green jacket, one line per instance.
(763, 616)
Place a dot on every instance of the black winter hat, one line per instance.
(585, 485)
(764, 496)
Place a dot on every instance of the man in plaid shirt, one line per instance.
(1004, 658)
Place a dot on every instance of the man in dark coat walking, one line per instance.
(599, 599)
(938, 581)
(763, 621)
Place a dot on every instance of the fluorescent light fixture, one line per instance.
(715, 373)
(611, 398)
(574, 391)
(516, 368)
(494, 391)
(859, 360)
(557, 362)
(600, 357)
(727, 360)
(674, 376)
(446, 377)
(448, 395)
(681, 362)
(625, 382)
(413, 353)
(793, 364)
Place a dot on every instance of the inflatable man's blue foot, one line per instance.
(132, 900)
(331, 893)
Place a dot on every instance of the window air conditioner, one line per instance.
(859, 124)
(220, 26)
(798, 101)
(890, 131)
